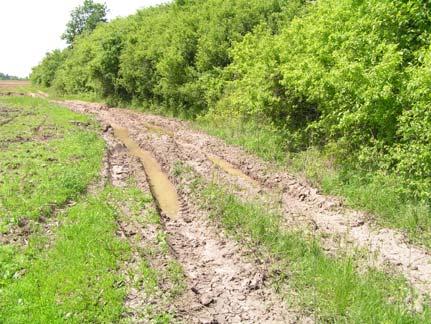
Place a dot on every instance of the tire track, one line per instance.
(224, 286)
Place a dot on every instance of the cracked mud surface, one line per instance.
(223, 284)
(219, 272)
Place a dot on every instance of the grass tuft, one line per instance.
(331, 289)
(76, 280)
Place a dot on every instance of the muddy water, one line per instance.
(162, 189)
(229, 168)
(158, 130)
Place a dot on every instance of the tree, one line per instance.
(45, 73)
(84, 19)
(8, 77)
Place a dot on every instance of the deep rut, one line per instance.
(212, 261)
(225, 285)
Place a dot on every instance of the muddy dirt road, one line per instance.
(224, 283)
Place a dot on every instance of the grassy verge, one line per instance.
(53, 94)
(89, 269)
(76, 280)
(379, 194)
(329, 289)
(48, 156)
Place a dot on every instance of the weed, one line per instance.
(331, 289)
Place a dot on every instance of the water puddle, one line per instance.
(229, 168)
(162, 189)
(158, 130)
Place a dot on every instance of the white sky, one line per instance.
(30, 28)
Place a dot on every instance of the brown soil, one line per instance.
(10, 88)
(13, 83)
(224, 284)
(220, 275)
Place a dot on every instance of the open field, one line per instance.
(9, 85)
(111, 215)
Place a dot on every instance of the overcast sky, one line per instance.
(30, 28)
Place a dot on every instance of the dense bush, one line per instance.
(45, 73)
(352, 76)
(412, 152)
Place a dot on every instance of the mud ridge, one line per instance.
(224, 285)
(301, 204)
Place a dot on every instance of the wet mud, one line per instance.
(302, 206)
(162, 189)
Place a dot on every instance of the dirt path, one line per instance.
(224, 285)
(223, 281)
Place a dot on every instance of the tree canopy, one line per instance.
(349, 76)
(84, 19)
(4, 76)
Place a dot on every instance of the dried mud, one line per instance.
(224, 284)
(210, 259)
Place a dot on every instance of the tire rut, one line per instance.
(224, 284)
(302, 205)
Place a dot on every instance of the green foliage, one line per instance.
(350, 74)
(8, 77)
(166, 55)
(45, 73)
(84, 19)
(412, 153)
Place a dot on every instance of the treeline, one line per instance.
(8, 77)
(352, 77)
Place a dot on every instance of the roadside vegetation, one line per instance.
(327, 289)
(340, 90)
(49, 155)
(62, 258)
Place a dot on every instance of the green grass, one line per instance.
(329, 289)
(255, 138)
(83, 96)
(48, 156)
(80, 278)
(76, 280)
